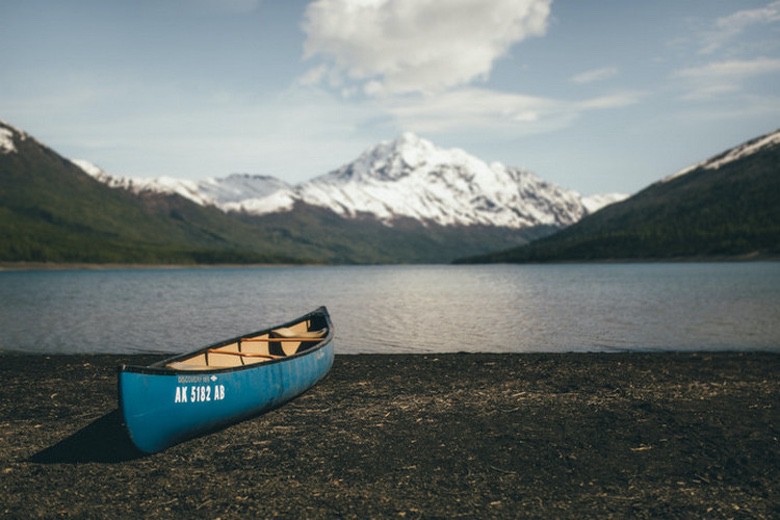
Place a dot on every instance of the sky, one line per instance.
(594, 95)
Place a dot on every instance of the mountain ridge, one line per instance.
(52, 211)
(727, 206)
(395, 180)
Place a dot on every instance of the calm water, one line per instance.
(401, 308)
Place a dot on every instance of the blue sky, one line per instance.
(597, 96)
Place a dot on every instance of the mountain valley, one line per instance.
(401, 201)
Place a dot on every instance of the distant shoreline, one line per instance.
(87, 266)
(90, 266)
(743, 258)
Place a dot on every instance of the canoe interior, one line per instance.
(184, 396)
(259, 347)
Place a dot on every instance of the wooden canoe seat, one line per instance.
(289, 341)
(282, 342)
(290, 333)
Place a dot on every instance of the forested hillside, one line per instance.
(725, 207)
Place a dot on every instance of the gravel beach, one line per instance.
(643, 435)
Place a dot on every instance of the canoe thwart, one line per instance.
(244, 354)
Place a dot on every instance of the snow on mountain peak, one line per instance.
(165, 185)
(239, 187)
(731, 155)
(412, 178)
(6, 141)
(593, 203)
(8, 135)
(389, 159)
(255, 194)
(93, 171)
(250, 193)
(406, 178)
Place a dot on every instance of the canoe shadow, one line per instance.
(103, 440)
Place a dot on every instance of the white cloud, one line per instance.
(617, 100)
(468, 108)
(418, 46)
(737, 69)
(715, 115)
(729, 27)
(477, 108)
(593, 75)
(724, 77)
(417, 61)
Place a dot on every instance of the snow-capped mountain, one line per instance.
(724, 207)
(405, 178)
(228, 193)
(410, 177)
(6, 141)
(738, 152)
(593, 203)
(8, 134)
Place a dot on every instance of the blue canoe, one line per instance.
(178, 398)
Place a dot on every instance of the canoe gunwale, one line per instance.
(161, 368)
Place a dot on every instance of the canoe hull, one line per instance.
(161, 410)
(163, 407)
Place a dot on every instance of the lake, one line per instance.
(394, 309)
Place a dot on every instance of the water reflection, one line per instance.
(401, 308)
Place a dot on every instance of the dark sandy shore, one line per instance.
(445, 436)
